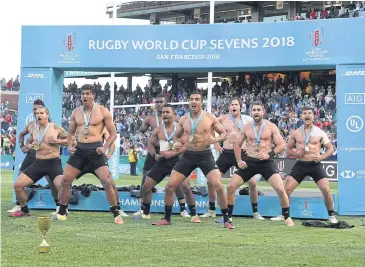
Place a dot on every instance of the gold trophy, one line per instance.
(44, 223)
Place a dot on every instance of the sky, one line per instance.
(16, 13)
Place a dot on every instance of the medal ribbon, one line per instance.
(195, 124)
(239, 125)
(168, 138)
(88, 119)
(157, 121)
(306, 138)
(257, 136)
(40, 138)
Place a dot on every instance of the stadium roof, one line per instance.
(168, 10)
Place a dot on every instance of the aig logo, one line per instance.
(31, 97)
(355, 98)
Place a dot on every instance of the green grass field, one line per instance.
(91, 239)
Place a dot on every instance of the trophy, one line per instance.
(44, 223)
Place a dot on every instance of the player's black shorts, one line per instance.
(28, 160)
(86, 170)
(44, 167)
(196, 159)
(227, 160)
(302, 169)
(255, 166)
(86, 155)
(150, 160)
(162, 169)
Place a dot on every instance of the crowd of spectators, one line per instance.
(283, 97)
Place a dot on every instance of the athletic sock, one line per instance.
(225, 215)
(141, 205)
(168, 210)
(192, 210)
(230, 210)
(146, 208)
(285, 213)
(254, 207)
(25, 209)
(115, 211)
(62, 210)
(212, 206)
(182, 207)
(119, 206)
(331, 212)
(56, 201)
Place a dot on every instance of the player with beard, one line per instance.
(199, 127)
(31, 153)
(89, 121)
(305, 145)
(261, 136)
(47, 163)
(166, 159)
(153, 121)
(232, 123)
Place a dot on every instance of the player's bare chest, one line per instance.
(263, 133)
(94, 118)
(204, 125)
(44, 133)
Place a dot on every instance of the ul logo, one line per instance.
(354, 124)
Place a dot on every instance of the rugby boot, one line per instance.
(118, 220)
(289, 222)
(19, 214)
(210, 213)
(15, 209)
(146, 217)
(277, 218)
(185, 214)
(123, 214)
(162, 222)
(332, 219)
(229, 225)
(257, 216)
(195, 219)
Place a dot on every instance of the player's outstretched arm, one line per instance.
(291, 145)
(145, 125)
(326, 142)
(278, 140)
(71, 130)
(179, 130)
(238, 144)
(219, 129)
(109, 125)
(61, 138)
(152, 142)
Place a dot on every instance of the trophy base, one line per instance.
(44, 249)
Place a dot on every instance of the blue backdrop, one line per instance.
(299, 45)
(316, 43)
(351, 139)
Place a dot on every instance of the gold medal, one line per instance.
(306, 148)
(86, 131)
(257, 148)
(36, 147)
(170, 146)
(191, 138)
